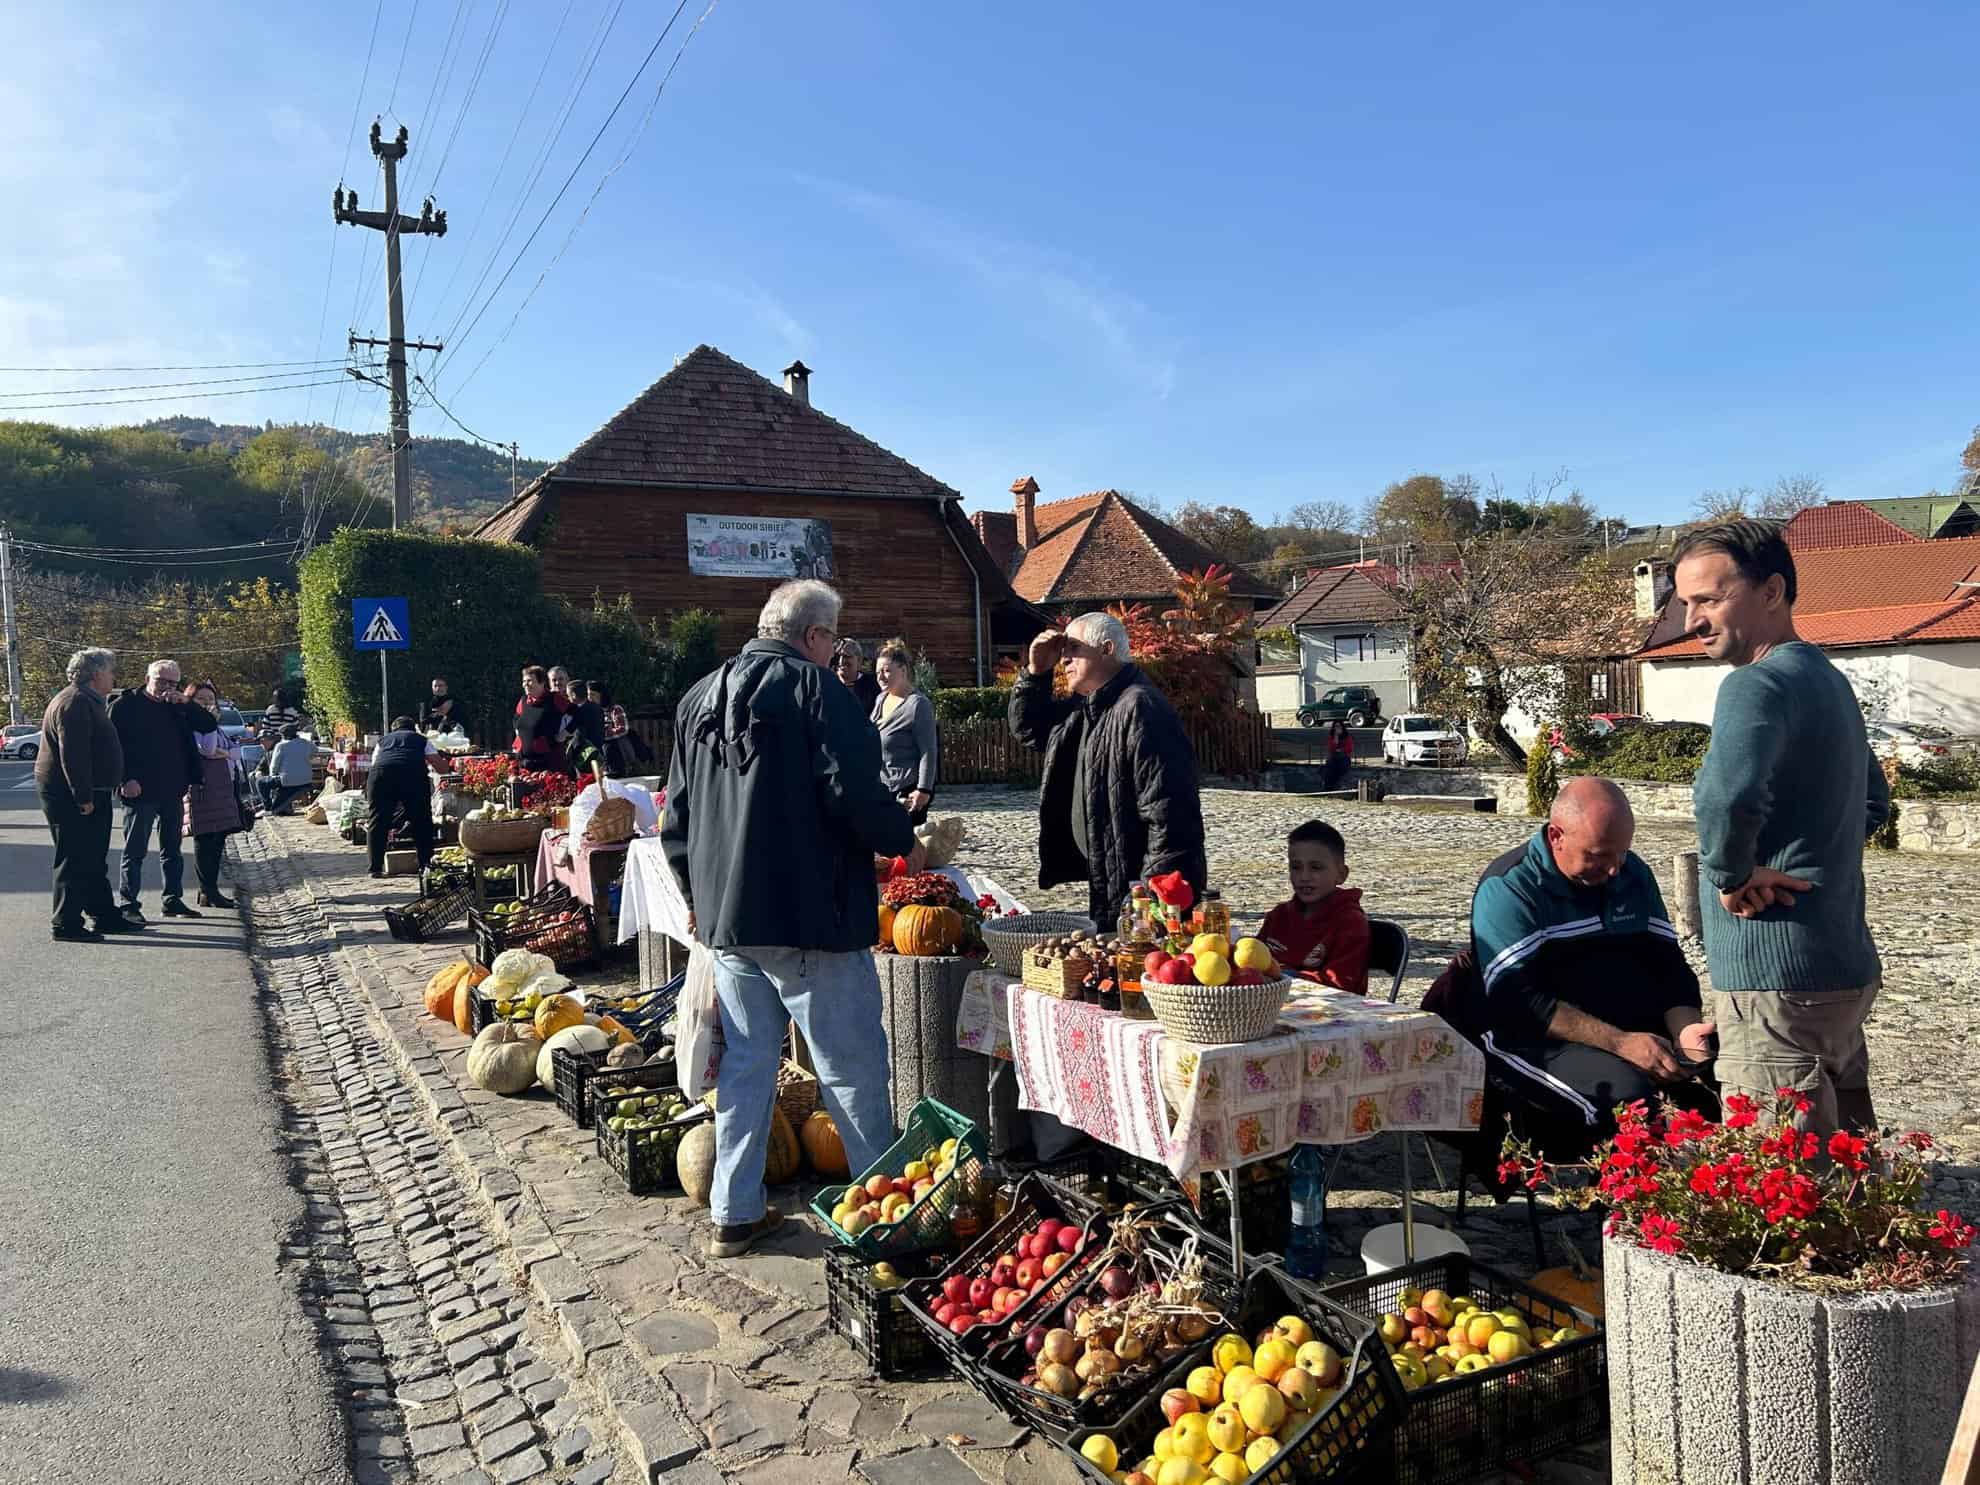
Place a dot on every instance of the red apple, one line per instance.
(962, 1323)
(1053, 1262)
(980, 1291)
(1049, 1229)
(1152, 965)
(944, 1312)
(1176, 1402)
(923, 1187)
(1069, 1239)
(1004, 1271)
(1028, 1273)
(879, 1188)
(955, 1288)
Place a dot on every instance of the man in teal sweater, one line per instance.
(1785, 799)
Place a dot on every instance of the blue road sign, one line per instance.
(381, 624)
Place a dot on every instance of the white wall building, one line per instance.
(1349, 631)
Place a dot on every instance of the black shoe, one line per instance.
(75, 935)
(118, 923)
(132, 911)
(215, 900)
(175, 907)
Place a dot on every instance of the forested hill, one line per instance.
(182, 482)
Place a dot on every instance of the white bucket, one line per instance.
(1382, 1249)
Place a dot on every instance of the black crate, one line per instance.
(1034, 1202)
(1001, 1373)
(551, 922)
(1519, 1411)
(438, 877)
(876, 1322)
(1264, 1200)
(647, 1020)
(1090, 1177)
(574, 1074)
(1348, 1439)
(431, 914)
(644, 1159)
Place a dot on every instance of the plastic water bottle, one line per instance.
(1306, 1248)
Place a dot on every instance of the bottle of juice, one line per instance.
(1136, 943)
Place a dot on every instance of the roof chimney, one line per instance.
(1025, 493)
(1653, 587)
(797, 381)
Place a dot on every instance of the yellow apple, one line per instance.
(1238, 1381)
(1250, 953)
(1190, 1438)
(1274, 1359)
(1212, 969)
(1100, 1449)
(1322, 1360)
(1259, 1453)
(1178, 1470)
(1263, 1409)
(1410, 1370)
(1227, 1429)
(1231, 1350)
(1480, 1329)
(1210, 943)
(1206, 1385)
(1230, 1468)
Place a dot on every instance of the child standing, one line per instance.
(1322, 933)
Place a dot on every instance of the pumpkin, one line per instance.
(626, 1054)
(927, 930)
(463, 998)
(616, 1031)
(887, 912)
(823, 1147)
(578, 1038)
(694, 1162)
(502, 1059)
(1564, 1285)
(781, 1160)
(557, 1013)
(440, 989)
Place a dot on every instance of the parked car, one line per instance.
(236, 726)
(1600, 724)
(1358, 706)
(1415, 737)
(1909, 742)
(23, 740)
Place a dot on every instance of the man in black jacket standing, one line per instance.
(78, 770)
(156, 727)
(775, 812)
(1119, 801)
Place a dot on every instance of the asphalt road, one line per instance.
(146, 1332)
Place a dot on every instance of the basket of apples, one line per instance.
(1209, 992)
(1028, 1260)
(903, 1205)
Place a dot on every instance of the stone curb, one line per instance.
(649, 1429)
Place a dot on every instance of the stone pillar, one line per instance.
(1684, 894)
(920, 996)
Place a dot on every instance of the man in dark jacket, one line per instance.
(1119, 800)
(775, 812)
(396, 784)
(77, 772)
(156, 727)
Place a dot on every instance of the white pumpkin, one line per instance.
(578, 1039)
(500, 1058)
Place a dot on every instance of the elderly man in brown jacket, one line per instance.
(77, 772)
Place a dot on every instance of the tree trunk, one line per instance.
(1505, 744)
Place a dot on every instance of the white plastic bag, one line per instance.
(698, 1026)
(645, 815)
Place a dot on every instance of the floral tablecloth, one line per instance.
(557, 861)
(1342, 1069)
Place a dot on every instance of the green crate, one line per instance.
(925, 1224)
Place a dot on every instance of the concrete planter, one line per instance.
(919, 999)
(1717, 1380)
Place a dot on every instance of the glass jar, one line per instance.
(1136, 943)
(1215, 915)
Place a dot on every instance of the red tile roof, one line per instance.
(1104, 548)
(713, 424)
(1841, 523)
(1337, 595)
(1896, 593)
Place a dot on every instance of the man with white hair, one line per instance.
(1119, 801)
(156, 727)
(77, 770)
(775, 811)
(1588, 1000)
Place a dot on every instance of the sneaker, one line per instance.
(733, 1242)
(175, 907)
(76, 935)
(118, 923)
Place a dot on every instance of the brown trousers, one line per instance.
(1808, 1040)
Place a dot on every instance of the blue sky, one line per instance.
(1251, 255)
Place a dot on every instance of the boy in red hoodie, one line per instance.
(1322, 934)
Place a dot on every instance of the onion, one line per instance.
(1034, 1340)
(1059, 1380)
(1192, 1328)
(1118, 1282)
(1130, 1347)
(1058, 1346)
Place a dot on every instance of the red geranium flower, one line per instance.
(1660, 1234)
(1951, 1231)
(1687, 1124)
(1741, 1112)
(1847, 1150)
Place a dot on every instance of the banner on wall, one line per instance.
(759, 547)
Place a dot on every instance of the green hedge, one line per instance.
(1662, 755)
(966, 703)
(478, 616)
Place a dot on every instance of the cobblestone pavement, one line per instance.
(430, 1338)
(728, 1372)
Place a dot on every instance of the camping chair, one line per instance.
(1388, 953)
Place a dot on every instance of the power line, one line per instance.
(435, 401)
(412, 14)
(76, 551)
(217, 381)
(474, 86)
(208, 366)
(624, 94)
(194, 396)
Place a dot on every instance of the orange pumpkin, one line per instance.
(1563, 1284)
(887, 912)
(927, 930)
(463, 1002)
(440, 990)
(823, 1147)
(620, 1036)
(781, 1160)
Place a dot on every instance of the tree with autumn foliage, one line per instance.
(1191, 651)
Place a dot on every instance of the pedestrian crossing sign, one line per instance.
(381, 624)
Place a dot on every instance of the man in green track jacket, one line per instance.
(1785, 799)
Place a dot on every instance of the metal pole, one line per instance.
(1228, 1180)
(384, 700)
(1409, 1205)
(12, 634)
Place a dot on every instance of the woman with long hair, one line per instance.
(906, 719)
(213, 804)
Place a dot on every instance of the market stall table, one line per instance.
(1341, 1069)
(589, 869)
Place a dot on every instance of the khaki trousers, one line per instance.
(1808, 1040)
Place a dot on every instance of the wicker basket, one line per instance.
(1008, 938)
(797, 1093)
(502, 837)
(1050, 975)
(1212, 1015)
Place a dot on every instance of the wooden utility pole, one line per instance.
(392, 224)
(12, 635)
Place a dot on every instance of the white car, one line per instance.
(1909, 742)
(1415, 737)
(22, 740)
(236, 726)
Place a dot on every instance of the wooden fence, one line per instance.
(982, 751)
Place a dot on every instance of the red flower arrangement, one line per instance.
(483, 778)
(1753, 1195)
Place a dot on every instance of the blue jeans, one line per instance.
(141, 815)
(835, 1000)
